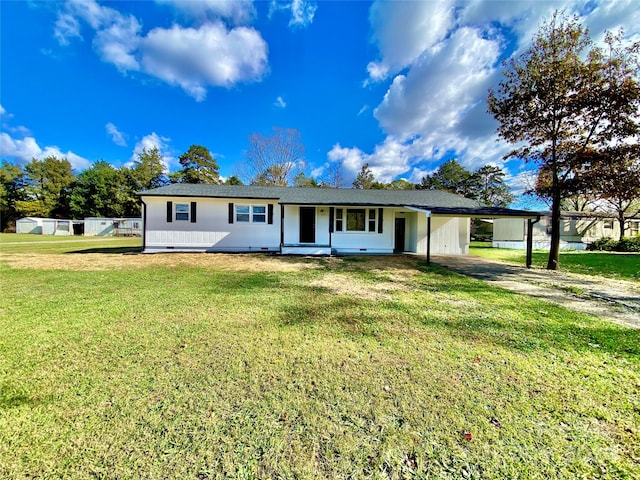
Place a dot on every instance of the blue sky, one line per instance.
(399, 85)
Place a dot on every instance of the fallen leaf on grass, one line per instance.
(410, 460)
(468, 436)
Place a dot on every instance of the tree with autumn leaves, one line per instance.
(572, 108)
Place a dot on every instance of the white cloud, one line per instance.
(403, 30)
(388, 160)
(442, 85)
(211, 55)
(26, 149)
(302, 11)
(153, 140)
(116, 135)
(438, 60)
(191, 58)
(236, 11)
(2, 110)
(280, 103)
(67, 26)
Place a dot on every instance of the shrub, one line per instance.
(629, 244)
(608, 244)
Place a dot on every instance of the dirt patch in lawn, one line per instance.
(343, 285)
(394, 268)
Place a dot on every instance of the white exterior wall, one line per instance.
(366, 242)
(341, 242)
(98, 226)
(411, 230)
(575, 234)
(212, 230)
(449, 235)
(29, 225)
(56, 227)
(292, 225)
(510, 229)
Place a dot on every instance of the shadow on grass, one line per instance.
(485, 314)
(527, 324)
(109, 250)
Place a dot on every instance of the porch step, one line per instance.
(306, 250)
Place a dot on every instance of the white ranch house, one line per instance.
(309, 221)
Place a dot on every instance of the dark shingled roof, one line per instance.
(437, 201)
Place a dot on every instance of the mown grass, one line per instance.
(204, 372)
(27, 243)
(625, 266)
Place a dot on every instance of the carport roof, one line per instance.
(436, 201)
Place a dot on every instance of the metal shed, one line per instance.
(29, 225)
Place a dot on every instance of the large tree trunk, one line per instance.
(621, 223)
(554, 251)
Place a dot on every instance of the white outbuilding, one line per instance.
(44, 226)
(101, 227)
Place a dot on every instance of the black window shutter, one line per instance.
(231, 213)
(270, 213)
(331, 219)
(193, 212)
(169, 212)
(380, 210)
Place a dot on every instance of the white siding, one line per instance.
(212, 230)
(292, 225)
(98, 226)
(366, 242)
(511, 229)
(29, 225)
(449, 235)
(56, 227)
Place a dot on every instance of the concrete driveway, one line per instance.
(615, 300)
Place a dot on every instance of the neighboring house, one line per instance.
(577, 230)
(97, 226)
(44, 226)
(309, 221)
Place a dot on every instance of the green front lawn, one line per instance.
(248, 366)
(625, 266)
(28, 243)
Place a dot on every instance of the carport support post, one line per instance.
(428, 238)
(529, 241)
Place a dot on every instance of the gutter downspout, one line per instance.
(281, 227)
(144, 225)
(530, 224)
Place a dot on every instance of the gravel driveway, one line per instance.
(615, 300)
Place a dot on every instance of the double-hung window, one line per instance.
(251, 213)
(182, 211)
(356, 220)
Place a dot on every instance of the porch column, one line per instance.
(529, 242)
(428, 238)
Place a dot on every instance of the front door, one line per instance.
(307, 224)
(398, 246)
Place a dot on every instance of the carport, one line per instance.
(485, 213)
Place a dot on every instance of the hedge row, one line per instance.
(608, 244)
